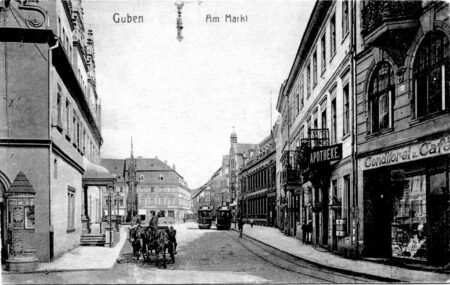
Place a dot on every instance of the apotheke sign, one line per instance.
(410, 153)
(326, 154)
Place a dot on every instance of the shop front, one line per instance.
(316, 171)
(406, 202)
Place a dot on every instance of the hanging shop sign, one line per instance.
(325, 154)
(414, 152)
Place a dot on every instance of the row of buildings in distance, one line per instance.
(358, 160)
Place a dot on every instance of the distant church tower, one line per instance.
(233, 137)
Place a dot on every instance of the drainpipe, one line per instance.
(50, 59)
(354, 113)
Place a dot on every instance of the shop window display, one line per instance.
(409, 222)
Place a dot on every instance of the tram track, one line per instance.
(295, 265)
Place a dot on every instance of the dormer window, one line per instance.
(141, 177)
(161, 177)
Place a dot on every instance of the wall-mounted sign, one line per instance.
(325, 154)
(409, 153)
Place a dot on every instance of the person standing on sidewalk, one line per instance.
(252, 221)
(240, 226)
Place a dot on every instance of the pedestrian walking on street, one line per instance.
(240, 226)
(251, 222)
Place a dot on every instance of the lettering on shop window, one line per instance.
(410, 153)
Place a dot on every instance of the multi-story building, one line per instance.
(159, 188)
(257, 178)
(119, 201)
(315, 103)
(215, 192)
(49, 126)
(403, 145)
(236, 157)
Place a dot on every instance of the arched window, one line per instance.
(381, 96)
(432, 75)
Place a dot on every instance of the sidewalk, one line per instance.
(85, 258)
(274, 238)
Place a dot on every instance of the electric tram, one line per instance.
(223, 218)
(204, 217)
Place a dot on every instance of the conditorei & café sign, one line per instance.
(410, 153)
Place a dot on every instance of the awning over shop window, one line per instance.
(142, 212)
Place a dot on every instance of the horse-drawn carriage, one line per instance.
(150, 242)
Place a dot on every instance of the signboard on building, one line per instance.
(418, 151)
(325, 154)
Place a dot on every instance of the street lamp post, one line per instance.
(110, 214)
(117, 213)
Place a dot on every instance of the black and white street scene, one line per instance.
(224, 141)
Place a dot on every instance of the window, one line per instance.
(59, 108)
(171, 202)
(301, 92)
(152, 189)
(141, 177)
(121, 188)
(55, 168)
(161, 201)
(347, 204)
(346, 118)
(333, 35)
(161, 177)
(431, 75)
(297, 102)
(314, 69)
(324, 53)
(67, 117)
(333, 122)
(308, 80)
(345, 19)
(121, 202)
(380, 97)
(152, 201)
(78, 133)
(324, 118)
(74, 124)
(71, 209)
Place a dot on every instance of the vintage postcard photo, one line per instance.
(224, 141)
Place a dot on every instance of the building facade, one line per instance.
(316, 130)
(237, 157)
(50, 123)
(403, 102)
(215, 192)
(257, 178)
(158, 188)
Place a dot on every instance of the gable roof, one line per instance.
(244, 147)
(114, 166)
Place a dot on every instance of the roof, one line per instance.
(114, 166)
(21, 184)
(148, 164)
(95, 174)
(244, 147)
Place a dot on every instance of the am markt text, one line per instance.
(228, 19)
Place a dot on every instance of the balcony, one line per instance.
(290, 174)
(390, 24)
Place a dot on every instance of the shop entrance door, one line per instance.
(377, 214)
(3, 223)
(437, 205)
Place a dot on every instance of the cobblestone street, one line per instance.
(204, 256)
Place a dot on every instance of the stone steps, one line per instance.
(93, 240)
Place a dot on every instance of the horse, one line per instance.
(162, 240)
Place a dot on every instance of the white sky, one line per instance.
(180, 100)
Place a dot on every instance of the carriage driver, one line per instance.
(138, 228)
(154, 221)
